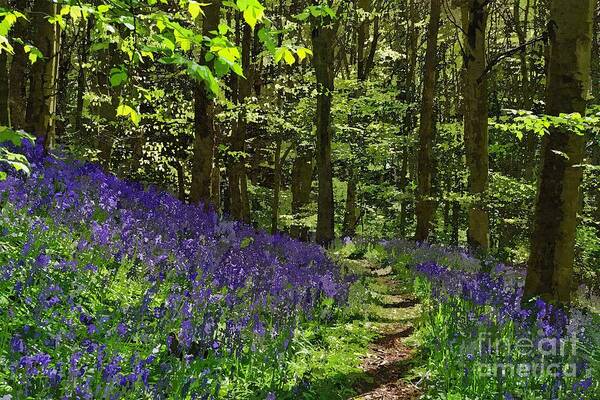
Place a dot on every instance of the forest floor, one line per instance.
(390, 362)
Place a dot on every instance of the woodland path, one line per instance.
(391, 357)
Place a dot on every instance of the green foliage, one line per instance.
(253, 11)
(14, 160)
(518, 122)
(321, 11)
(8, 19)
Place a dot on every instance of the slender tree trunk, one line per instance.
(521, 26)
(81, 77)
(550, 268)
(276, 187)
(237, 175)
(216, 179)
(323, 38)
(526, 92)
(180, 180)
(42, 98)
(596, 55)
(351, 213)
(410, 87)
(4, 93)
(454, 237)
(425, 164)
(302, 173)
(107, 129)
(4, 114)
(63, 68)
(204, 128)
(596, 215)
(476, 121)
(365, 55)
(17, 100)
(403, 184)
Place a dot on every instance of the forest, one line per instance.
(287, 199)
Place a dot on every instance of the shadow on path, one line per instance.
(390, 358)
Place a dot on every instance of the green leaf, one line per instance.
(285, 54)
(127, 111)
(247, 241)
(15, 137)
(34, 53)
(265, 36)
(303, 52)
(184, 42)
(195, 9)
(252, 10)
(203, 73)
(221, 67)
(223, 29)
(117, 76)
(289, 57)
(237, 69)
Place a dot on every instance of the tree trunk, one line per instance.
(4, 93)
(476, 121)
(323, 38)
(302, 173)
(4, 114)
(596, 55)
(204, 128)
(216, 180)
(42, 96)
(351, 213)
(276, 188)
(81, 77)
(107, 129)
(550, 268)
(239, 207)
(402, 185)
(425, 203)
(365, 57)
(17, 100)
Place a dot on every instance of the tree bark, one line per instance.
(276, 187)
(4, 114)
(179, 167)
(596, 55)
(302, 173)
(323, 39)
(351, 213)
(42, 96)
(204, 128)
(216, 180)
(426, 205)
(107, 129)
(238, 193)
(81, 77)
(17, 100)
(550, 267)
(4, 93)
(476, 121)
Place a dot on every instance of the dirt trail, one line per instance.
(389, 360)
